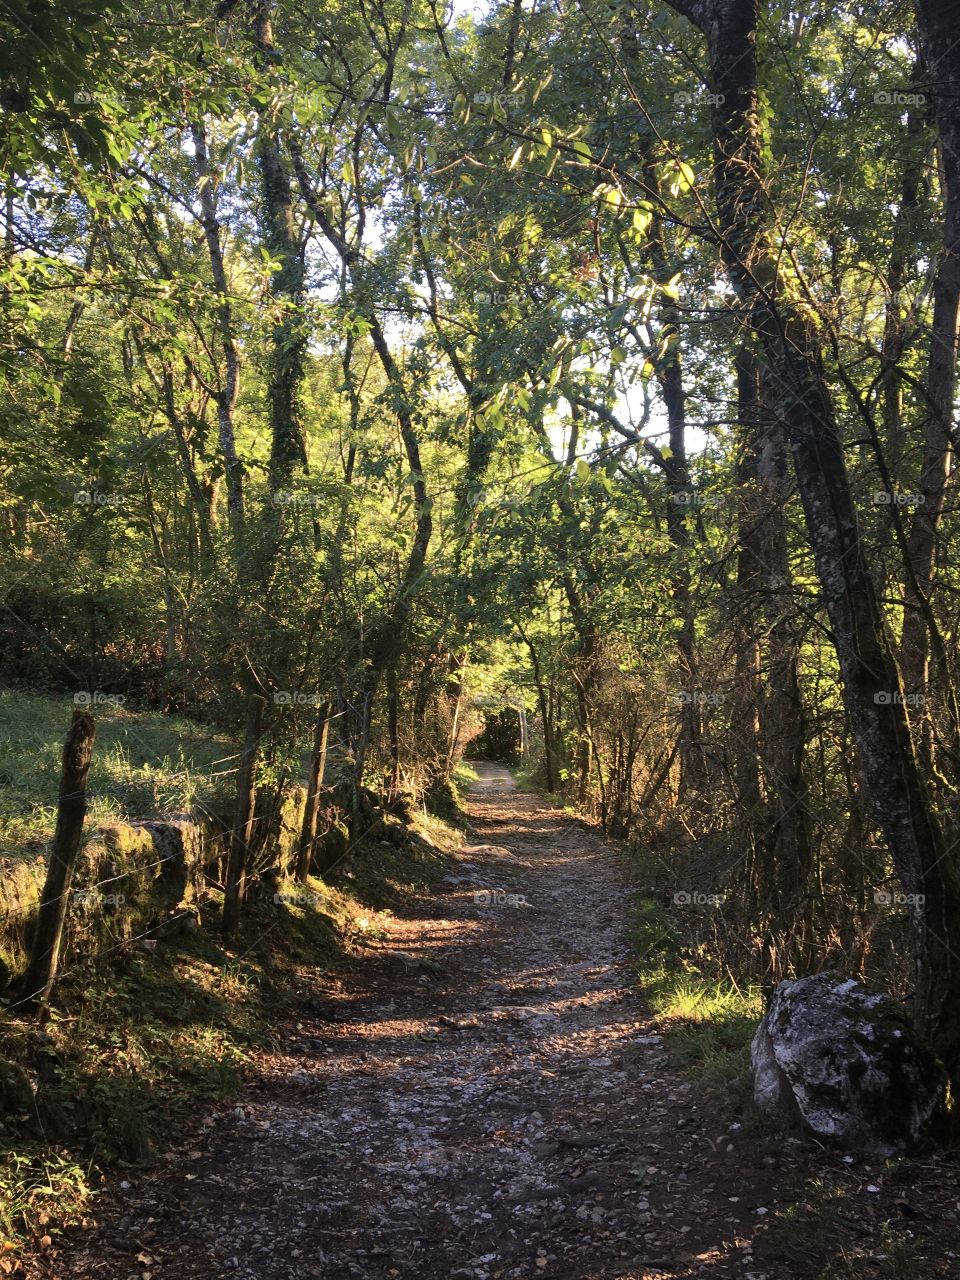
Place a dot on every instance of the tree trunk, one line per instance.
(230, 383)
(873, 692)
(393, 732)
(318, 761)
(747, 682)
(937, 22)
(545, 717)
(903, 254)
(36, 984)
(693, 774)
(243, 819)
(288, 339)
(781, 711)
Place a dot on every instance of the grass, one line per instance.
(707, 1025)
(832, 1235)
(137, 1042)
(143, 1035)
(826, 1227)
(464, 776)
(131, 1045)
(29, 1186)
(144, 765)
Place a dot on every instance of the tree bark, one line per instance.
(288, 338)
(748, 689)
(38, 980)
(243, 818)
(693, 774)
(318, 761)
(545, 717)
(230, 383)
(937, 22)
(873, 692)
(781, 711)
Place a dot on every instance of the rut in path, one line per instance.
(502, 1111)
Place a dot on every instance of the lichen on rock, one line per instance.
(842, 1062)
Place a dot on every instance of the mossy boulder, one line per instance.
(133, 875)
(16, 1091)
(332, 847)
(20, 886)
(442, 799)
(290, 823)
(134, 878)
(843, 1062)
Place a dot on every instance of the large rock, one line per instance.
(834, 1058)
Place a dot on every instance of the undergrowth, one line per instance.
(144, 764)
(707, 1022)
(138, 1039)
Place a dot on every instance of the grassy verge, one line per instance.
(145, 764)
(464, 777)
(136, 1043)
(146, 1033)
(707, 1025)
(837, 1216)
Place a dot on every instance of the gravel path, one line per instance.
(491, 1103)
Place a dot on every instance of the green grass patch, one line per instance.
(828, 1234)
(464, 776)
(143, 1037)
(397, 858)
(144, 765)
(707, 1024)
(530, 778)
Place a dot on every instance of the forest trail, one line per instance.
(487, 1100)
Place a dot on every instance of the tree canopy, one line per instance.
(591, 363)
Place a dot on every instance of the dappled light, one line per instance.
(479, 645)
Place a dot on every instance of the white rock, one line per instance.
(841, 1061)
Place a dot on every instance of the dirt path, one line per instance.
(502, 1110)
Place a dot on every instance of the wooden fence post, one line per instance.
(71, 811)
(318, 761)
(243, 819)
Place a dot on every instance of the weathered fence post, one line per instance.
(318, 761)
(243, 819)
(71, 811)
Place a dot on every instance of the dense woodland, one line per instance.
(586, 365)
